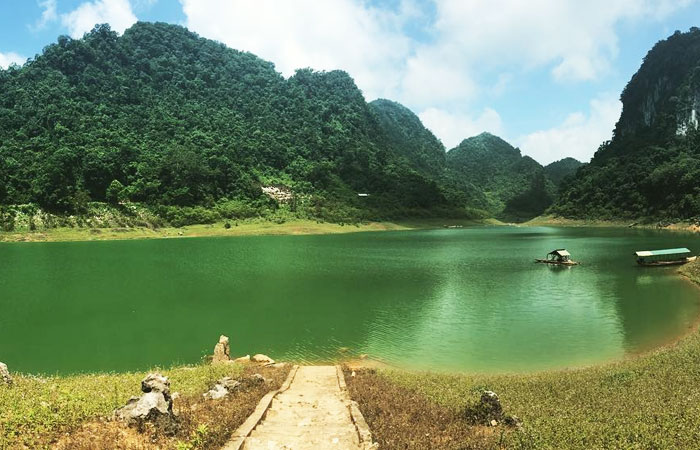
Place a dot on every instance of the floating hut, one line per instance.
(665, 257)
(559, 256)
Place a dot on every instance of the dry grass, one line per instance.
(202, 424)
(403, 418)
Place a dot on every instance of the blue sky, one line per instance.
(544, 74)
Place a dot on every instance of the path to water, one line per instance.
(311, 411)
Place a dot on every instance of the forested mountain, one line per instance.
(408, 138)
(561, 171)
(163, 117)
(651, 167)
(515, 187)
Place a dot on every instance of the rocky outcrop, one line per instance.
(5, 377)
(222, 350)
(488, 411)
(665, 88)
(278, 192)
(154, 406)
(227, 385)
(222, 388)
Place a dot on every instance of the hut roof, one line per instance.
(560, 252)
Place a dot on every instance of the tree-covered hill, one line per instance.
(408, 138)
(561, 171)
(651, 168)
(161, 116)
(515, 187)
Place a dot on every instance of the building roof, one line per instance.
(668, 251)
(560, 252)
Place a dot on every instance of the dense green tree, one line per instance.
(185, 125)
(514, 187)
(560, 172)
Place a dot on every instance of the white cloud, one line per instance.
(7, 59)
(350, 35)
(453, 128)
(427, 81)
(469, 51)
(117, 13)
(578, 136)
(47, 15)
(578, 39)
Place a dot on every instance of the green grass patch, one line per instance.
(34, 411)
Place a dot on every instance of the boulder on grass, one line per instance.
(222, 388)
(222, 350)
(155, 382)
(264, 359)
(5, 377)
(489, 411)
(154, 406)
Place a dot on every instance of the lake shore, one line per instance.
(253, 227)
(263, 227)
(553, 221)
(646, 400)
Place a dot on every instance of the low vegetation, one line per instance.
(74, 411)
(648, 401)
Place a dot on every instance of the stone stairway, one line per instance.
(312, 410)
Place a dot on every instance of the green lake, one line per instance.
(468, 299)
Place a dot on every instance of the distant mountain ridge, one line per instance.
(561, 171)
(515, 186)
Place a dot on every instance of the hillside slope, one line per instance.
(515, 187)
(163, 117)
(560, 171)
(651, 168)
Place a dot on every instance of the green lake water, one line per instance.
(452, 299)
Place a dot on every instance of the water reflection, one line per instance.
(466, 299)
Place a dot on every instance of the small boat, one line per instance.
(666, 257)
(559, 256)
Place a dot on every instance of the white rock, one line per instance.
(222, 350)
(217, 392)
(5, 377)
(155, 382)
(222, 388)
(260, 358)
(155, 405)
(242, 359)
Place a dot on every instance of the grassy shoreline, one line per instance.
(650, 400)
(264, 227)
(564, 222)
(73, 411)
(253, 227)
